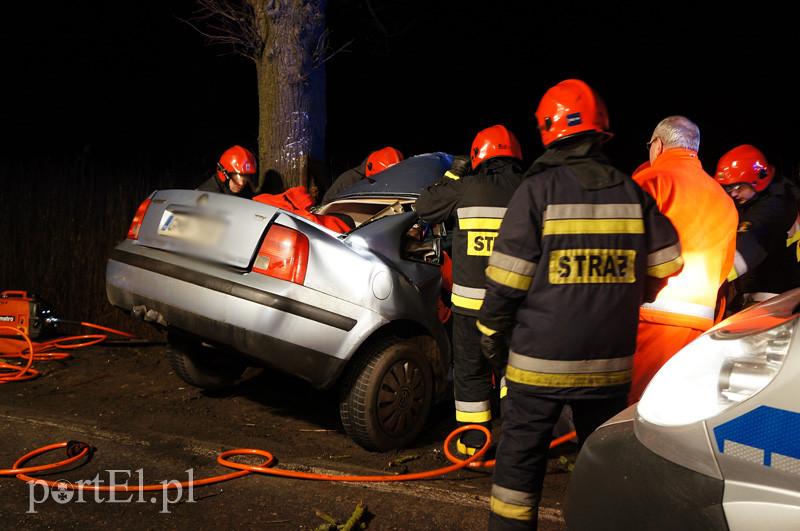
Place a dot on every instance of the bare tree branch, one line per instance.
(378, 23)
(320, 55)
(229, 23)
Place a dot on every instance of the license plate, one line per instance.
(196, 229)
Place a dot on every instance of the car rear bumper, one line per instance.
(304, 339)
(619, 484)
(318, 368)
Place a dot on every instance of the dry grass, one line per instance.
(59, 220)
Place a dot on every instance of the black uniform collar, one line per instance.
(586, 158)
(499, 164)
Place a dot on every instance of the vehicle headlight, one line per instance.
(714, 372)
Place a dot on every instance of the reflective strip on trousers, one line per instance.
(463, 449)
(514, 504)
(563, 373)
(469, 298)
(473, 412)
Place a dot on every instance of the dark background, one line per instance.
(103, 102)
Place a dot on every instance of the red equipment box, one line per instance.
(21, 312)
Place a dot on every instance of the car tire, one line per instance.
(387, 394)
(202, 366)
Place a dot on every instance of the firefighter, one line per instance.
(706, 223)
(764, 265)
(235, 175)
(579, 248)
(376, 162)
(475, 192)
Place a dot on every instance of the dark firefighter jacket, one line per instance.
(478, 202)
(570, 268)
(213, 184)
(763, 261)
(344, 181)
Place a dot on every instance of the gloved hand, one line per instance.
(460, 165)
(495, 350)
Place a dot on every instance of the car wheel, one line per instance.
(387, 394)
(202, 366)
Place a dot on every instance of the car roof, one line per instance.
(408, 177)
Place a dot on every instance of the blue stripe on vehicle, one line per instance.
(765, 428)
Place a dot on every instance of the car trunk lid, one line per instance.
(214, 227)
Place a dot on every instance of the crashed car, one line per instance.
(238, 283)
(714, 443)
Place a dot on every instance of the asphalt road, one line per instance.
(127, 403)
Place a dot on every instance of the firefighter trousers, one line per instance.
(472, 377)
(528, 421)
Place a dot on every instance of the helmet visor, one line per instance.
(240, 180)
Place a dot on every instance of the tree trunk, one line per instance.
(291, 90)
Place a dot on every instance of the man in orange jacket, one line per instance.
(706, 222)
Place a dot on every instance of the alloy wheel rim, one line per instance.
(401, 397)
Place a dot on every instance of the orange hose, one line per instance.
(46, 351)
(106, 329)
(20, 471)
(558, 441)
(83, 451)
(77, 451)
(17, 373)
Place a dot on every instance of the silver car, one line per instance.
(238, 283)
(714, 443)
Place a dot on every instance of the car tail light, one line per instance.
(136, 224)
(283, 254)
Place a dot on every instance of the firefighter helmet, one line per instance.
(745, 164)
(237, 164)
(570, 108)
(495, 141)
(382, 159)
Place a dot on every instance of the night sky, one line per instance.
(125, 78)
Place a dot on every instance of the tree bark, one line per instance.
(291, 90)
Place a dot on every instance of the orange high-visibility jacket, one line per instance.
(706, 220)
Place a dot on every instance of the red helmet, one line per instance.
(569, 108)
(382, 159)
(239, 165)
(495, 141)
(745, 164)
